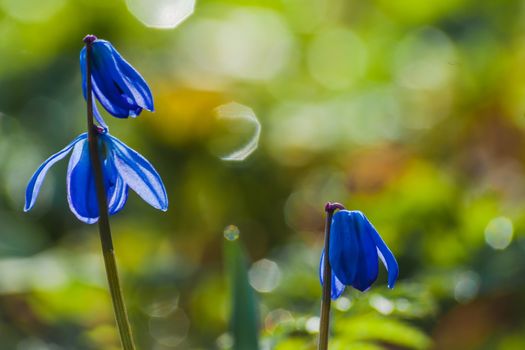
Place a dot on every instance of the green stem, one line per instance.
(103, 221)
(324, 323)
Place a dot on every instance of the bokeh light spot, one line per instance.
(231, 233)
(499, 232)
(466, 287)
(279, 317)
(425, 59)
(40, 272)
(343, 304)
(265, 275)
(402, 304)
(162, 308)
(170, 330)
(312, 325)
(239, 119)
(250, 43)
(225, 341)
(297, 128)
(162, 14)
(337, 58)
(382, 304)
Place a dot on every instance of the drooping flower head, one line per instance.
(355, 248)
(123, 168)
(118, 87)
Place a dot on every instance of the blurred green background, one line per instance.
(411, 111)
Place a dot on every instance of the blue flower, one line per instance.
(116, 84)
(355, 248)
(123, 168)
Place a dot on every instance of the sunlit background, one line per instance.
(411, 111)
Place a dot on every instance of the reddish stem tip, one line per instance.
(331, 207)
(88, 39)
(99, 130)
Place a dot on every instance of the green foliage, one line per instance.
(244, 314)
(411, 111)
(380, 329)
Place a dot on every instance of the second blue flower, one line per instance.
(123, 168)
(355, 249)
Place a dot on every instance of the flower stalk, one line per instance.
(103, 222)
(324, 324)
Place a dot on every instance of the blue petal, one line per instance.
(110, 97)
(81, 190)
(33, 187)
(82, 196)
(135, 83)
(116, 188)
(83, 71)
(337, 287)
(117, 85)
(344, 247)
(121, 112)
(119, 198)
(96, 113)
(104, 89)
(385, 255)
(138, 173)
(367, 265)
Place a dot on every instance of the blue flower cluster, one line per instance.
(355, 246)
(117, 86)
(123, 93)
(354, 251)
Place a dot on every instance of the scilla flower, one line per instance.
(116, 84)
(123, 168)
(355, 248)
